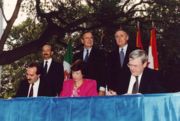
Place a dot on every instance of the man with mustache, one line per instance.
(32, 86)
(52, 71)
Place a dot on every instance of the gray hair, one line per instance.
(138, 53)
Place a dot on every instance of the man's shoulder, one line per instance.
(151, 72)
(113, 52)
(55, 62)
(77, 54)
(24, 82)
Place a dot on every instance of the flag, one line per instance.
(138, 37)
(68, 60)
(152, 52)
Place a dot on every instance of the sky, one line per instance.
(9, 6)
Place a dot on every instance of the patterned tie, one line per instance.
(31, 91)
(86, 56)
(135, 89)
(45, 66)
(122, 57)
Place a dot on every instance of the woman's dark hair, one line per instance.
(78, 65)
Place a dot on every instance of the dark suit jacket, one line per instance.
(95, 66)
(54, 78)
(24, 87)
(117, 75)
(151, 82)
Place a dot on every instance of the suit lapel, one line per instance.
(118, 58)
(126, 59)
(26, 87)
(143, 82)
(51, 67)
(40, 88)
(92, 54)
(81, 54)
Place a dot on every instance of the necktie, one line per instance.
(45, 66)
(31, 91)
(136, 86)
(122, 57)
(86, 56)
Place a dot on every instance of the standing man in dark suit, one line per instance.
(32, 86)
(142, 79)
(118, 70)
(94, 61)
(52, 71)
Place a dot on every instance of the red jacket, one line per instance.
(88, 88)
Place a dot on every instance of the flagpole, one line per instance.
(138, 36)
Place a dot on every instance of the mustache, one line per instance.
(45, 54)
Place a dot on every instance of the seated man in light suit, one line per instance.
(32, 86)
(142, 79)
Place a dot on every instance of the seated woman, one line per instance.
(78, 86)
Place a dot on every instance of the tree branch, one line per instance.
(31, 47)
(91, 4)
(127, 1)
(2, 10)
(10, 24)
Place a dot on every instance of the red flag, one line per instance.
(152, 53)
(138, 37)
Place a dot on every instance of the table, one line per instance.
(150, 107)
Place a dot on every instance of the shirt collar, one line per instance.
(37, 82)
(124, 48)
(48, 60)
(89, 49)
(139, 77)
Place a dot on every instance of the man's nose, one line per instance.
(28, 77)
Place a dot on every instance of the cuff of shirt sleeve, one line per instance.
(102, 89)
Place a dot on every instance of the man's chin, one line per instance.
(134, 74)
(29, 82)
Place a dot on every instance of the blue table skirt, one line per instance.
(153, 107)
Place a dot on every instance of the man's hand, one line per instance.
(111, 93)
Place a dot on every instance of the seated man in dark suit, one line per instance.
(32, 86)
(142, 79)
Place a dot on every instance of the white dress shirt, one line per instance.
(85, 52)
(35, 88)
(124, 49)
(132, 81)
(49, 61)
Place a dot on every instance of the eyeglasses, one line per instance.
(132, 66)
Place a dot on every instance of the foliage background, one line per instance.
(64, 20)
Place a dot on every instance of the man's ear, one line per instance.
(127, 37)
(145, 64)
(82, 41)
(52, 52)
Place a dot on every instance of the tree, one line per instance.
(61, 17)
